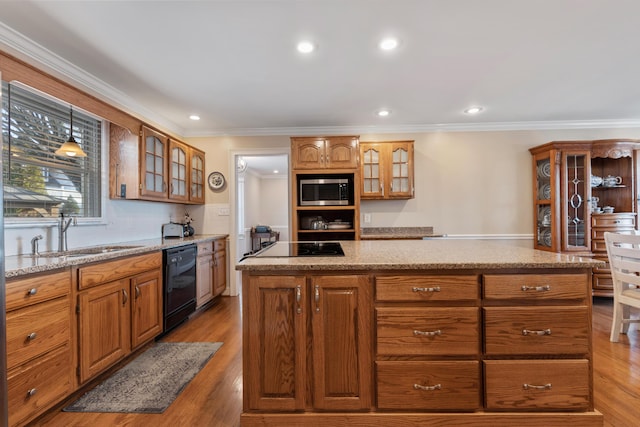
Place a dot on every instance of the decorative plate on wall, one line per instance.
(216, 181)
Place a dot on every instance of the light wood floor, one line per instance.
(214, 397)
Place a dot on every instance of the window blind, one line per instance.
(37, 182)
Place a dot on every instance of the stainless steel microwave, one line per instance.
(324, 192)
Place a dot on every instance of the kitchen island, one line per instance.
(408, 333)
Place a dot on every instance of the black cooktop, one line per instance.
(293, 249)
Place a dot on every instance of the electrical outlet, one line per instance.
(367, 218)
(223, 212)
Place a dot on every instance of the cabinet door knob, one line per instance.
(32, 336)
(32, 392)
(32, 291)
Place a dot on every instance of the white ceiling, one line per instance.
(563, 63)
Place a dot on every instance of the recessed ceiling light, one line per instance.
(383, 113)
(388, 43)
(194, 117)
(306, 47)
(473, 110)
(276, 171)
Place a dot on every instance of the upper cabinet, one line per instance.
(386, 170)
(197, 176)
(178, 165)
(336, 152)
(152, 166)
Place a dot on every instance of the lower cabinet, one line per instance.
(116, 316)
(211, 270)
(460, 347)
(38, 338)
(327, 316)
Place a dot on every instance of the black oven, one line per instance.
(179, 284)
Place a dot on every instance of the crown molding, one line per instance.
(25, 49)
(440, 127)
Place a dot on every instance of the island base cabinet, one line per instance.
(301, 328)
(430, 385)
(537, 385)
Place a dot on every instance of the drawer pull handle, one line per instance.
(537, 387)
(536, 288)
(427, 387)
(32, 291)
(32, 392)
(298, 298)
(434, 289)
(539, 333)
(32, 336)
(427, 333)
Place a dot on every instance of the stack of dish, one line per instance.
(338, 225)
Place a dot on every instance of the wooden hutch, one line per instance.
(570, 191)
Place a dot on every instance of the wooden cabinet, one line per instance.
(219, 266)
(178, 171)
(386, 170)
(286, 316)
(211, 271)
(39, 344)
(569, 193)
(336, 152)
(538, 347)
(204, 273)
(152, 166)
(437, 325)
(119, 309)
(196, 166)
(447, 347)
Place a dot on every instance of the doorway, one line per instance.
(260, 196)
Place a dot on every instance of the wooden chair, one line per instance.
(624, 259)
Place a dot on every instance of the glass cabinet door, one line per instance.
(178, 171)
(575, 209)
(544, 214)
(401, 176)
(371, 171)
(154, 163)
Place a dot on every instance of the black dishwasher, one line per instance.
(179, 284)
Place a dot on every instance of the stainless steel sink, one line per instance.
(86, 251)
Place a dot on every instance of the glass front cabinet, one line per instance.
(582, 189)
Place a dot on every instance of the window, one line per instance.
(37, 182)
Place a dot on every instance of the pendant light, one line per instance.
(71, 147)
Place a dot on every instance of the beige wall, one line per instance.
(468, 184)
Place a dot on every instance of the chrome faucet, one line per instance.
(62, 231)
(34, 244)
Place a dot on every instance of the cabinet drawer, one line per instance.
(205, 248)
(36, 386)
(606, 269)
(219, 245)
(598, 232)
(542, 385)
(108, 271)
(427, 288)
(37, 329)
(536, 286)
(603, 282)
(428, 331)
(37, 288)
(429, 385)
(613, 220)
(537, 330)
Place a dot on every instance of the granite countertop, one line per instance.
(18, 265)
(421, 255)
(372, 233)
